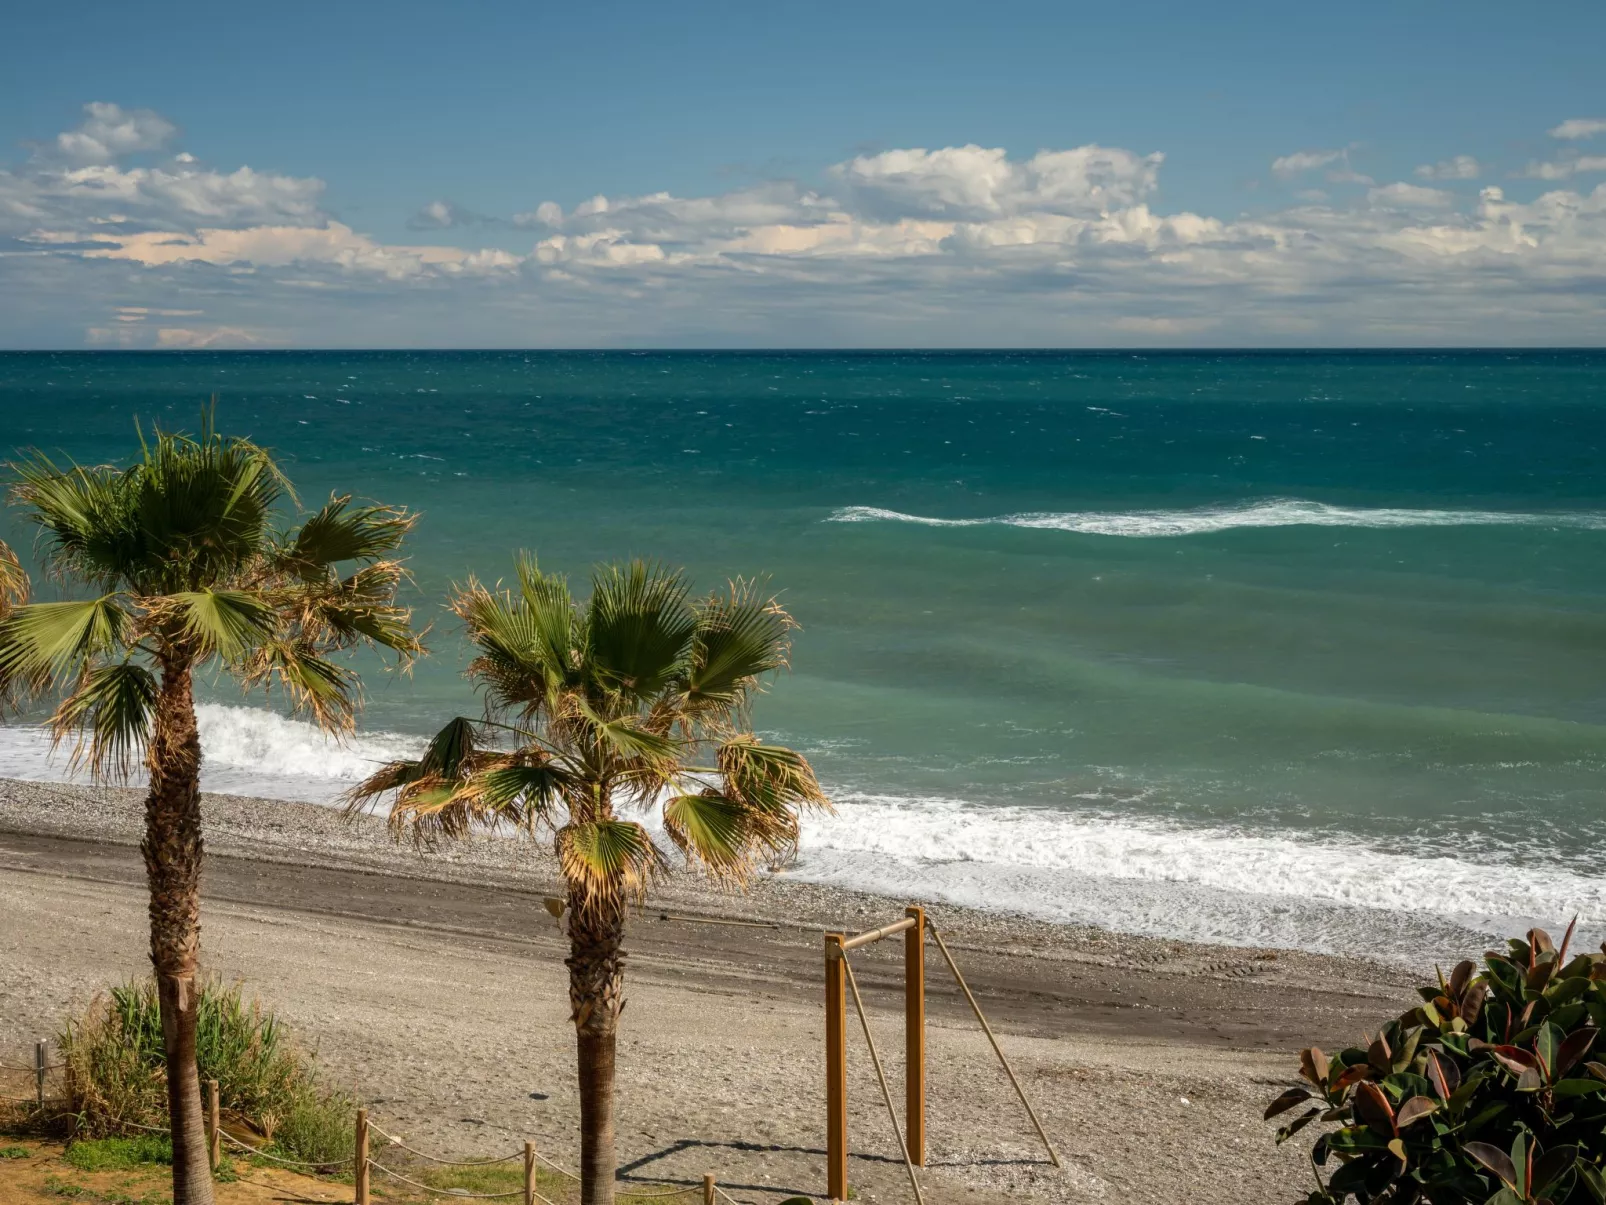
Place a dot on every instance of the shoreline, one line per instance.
(434, 985)
(318, 835)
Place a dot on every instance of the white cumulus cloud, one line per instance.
(1462, 167)
(110, 131)
(1303, 161)
(1579, 127)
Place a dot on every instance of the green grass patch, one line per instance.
(116, 1070)
(116, 1154)
(14, 1152)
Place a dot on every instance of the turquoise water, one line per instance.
(1275, 632)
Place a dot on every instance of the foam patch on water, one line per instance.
(1274, 512)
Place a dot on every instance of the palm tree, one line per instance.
(190, 571)
(636, 699)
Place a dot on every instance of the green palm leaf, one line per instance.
(46, 642)
(340, 532)
(607, 861)
(740, 637)
(639, 629)
(712, 828)
(769, 779)
(313, 682)
(228, 624)
(111, 713)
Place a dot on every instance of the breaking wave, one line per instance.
(1274, 512)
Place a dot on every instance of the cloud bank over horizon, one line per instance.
(112, 236)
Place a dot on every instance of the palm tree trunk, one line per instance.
(172, 850)
(596, 985)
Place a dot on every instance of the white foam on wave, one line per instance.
(1273, 512)
(1128, 873)
(1176, 880)
(247, 751)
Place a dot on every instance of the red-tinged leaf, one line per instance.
(1567, 940)
(1514, 1058)
(1380, 1056)
(1415, 1109)
(1372, 1106)
(1573, 1048)
(1352, 1075)
(1539, 941)
(1286, 1101)
(1298, 1124)
(1530, 1080)
(1443, 1074)
(1460, 977)
(1496, 1160)
(1472, 1005)
(1598, 1070)
(1313, 1066)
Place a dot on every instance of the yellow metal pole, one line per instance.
(836, 1070)
(914, 1028)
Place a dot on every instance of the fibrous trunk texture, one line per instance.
(172, 850)
(596, 983)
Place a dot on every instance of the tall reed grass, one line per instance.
(116, 1071)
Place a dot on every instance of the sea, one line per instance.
(1301, 649)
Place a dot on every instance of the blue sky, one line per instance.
(882, 174)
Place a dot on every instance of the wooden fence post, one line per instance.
(214, 1139)
(529, 1173)
(708, 1189)
(41, 1051)
(836, 1070)
(914, 1032)
(360, 1163)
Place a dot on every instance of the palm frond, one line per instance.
(90, 526)
(339, 532)
(768, 779)
(607, 861)
(312, 682)
(13, 579)
(523, 794)
(713, 829)
(450, 751)
(109, 717)
(524, 653)
(740, 637)
(638, 627)
(227, 624)
(51, 642)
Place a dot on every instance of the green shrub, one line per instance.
(116, 1071)
(1485, 1093)
(115, 1154)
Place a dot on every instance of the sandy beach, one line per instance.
(432, 984)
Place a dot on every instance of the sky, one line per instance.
(832, 175)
